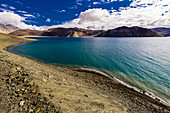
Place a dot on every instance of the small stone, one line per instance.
(61, 101)
(31, 111)
(8, 81)
(25, 108)
(16, 95)
(21, 103)
(25, 80)
(13, 88)
(17, 89)
(31, 83)
(11, 77)
(34, 103)
(44, 80)
(25, 91)
(41, 100)
(22, 89)
(18, 68)
(49, 76)
(35, 95)
(24, 74)
(51, 96)
(37, 110)
(33, 91)
(20, 95)
(86, 95)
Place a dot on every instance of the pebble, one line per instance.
(44, 80)
(22, 89)
(22, 94)
(61, 101)
(18, 68)
(24, 80)
(37, 110)
(51, 95)
(21, 103)
(31, 83)
(41, 100)
(31, 111)
(50, 76)
(86, 95)
(17, 89)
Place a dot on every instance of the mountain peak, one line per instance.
(7, 28)
(78, 32)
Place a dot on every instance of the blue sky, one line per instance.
(85, 13)
(58, 11)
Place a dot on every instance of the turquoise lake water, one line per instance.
(140, 62)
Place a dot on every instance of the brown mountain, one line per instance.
(24, 32)
(78, 32)
(162, 30)
(71, 32)
(59, 32)
(7, 28)
(130, 32)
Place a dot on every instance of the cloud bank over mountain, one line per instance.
(143, 13)
(15, 20)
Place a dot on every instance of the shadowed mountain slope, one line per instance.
(78, 32)
(162, 30)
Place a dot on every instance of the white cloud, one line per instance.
(29, 15)
(2, 9)
(4, 5)
(62, 11)
(79, 3)
(16, 20)
(18, 2)
(143, 13)
(12, 7)
(7, 6)
(96, 3)
(93, 15)
(99, 1)
(48, 20)
(21, 11)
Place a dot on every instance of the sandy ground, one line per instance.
(30, 86)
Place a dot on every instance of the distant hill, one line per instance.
(7, 28)
(72, 32)
(78, 32)
(130, 32)
(162, 30)
(25, 32)
(59, 32)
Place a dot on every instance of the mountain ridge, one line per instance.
(162, 30)
(7, 28)
(79, 32)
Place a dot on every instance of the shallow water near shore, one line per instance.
(140, 62)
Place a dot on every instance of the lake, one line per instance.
(140, 62)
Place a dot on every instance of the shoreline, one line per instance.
(95, 71)
(98, 74)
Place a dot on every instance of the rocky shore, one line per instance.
(27, 85)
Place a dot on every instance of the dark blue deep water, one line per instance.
(140, 62)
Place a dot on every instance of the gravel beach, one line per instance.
(30, 86)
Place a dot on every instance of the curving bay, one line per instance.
(140, 62)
